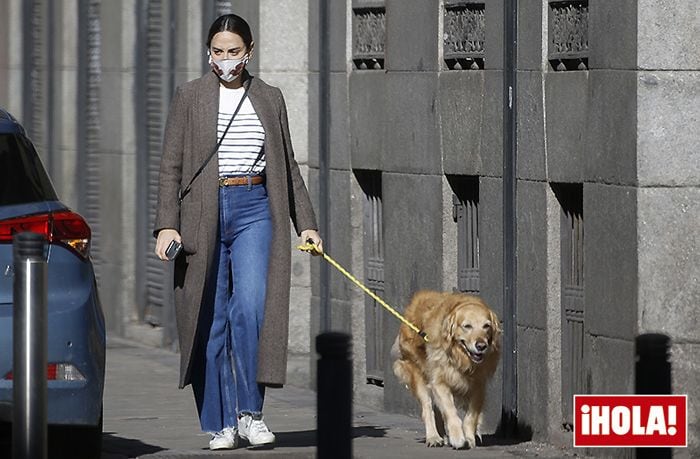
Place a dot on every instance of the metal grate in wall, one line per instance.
(568, 35)
(35, 71)
(158, 276)
(38, 85)
(373, 242)
(223, 7)
(212, 9)
(464, 34)
(570, 198)
(368, 38)
(465, 212)
(89, 68)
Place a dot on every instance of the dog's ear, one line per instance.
(496, 327)
(448, 327)
(449, 322)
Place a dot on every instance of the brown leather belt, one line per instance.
(242, 180)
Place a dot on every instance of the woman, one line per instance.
(232, 304)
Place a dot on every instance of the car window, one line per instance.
(22, 176)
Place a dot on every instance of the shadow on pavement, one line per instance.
(126, 446)
(497, 440)
(295, 439)
(368, 431)
(305, 438)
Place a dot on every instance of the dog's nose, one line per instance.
(481, 346)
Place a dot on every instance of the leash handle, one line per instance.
(311, 248)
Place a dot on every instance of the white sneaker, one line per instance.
(224, 439)
(253, 429)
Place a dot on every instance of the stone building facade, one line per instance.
(608, 170)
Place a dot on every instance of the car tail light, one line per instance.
(64, 227)
(72, 231)
(63, 372)
(58, 372)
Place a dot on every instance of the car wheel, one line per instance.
(90, 445)
(5, 439)
(75, 442)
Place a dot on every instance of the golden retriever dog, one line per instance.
(451, 370)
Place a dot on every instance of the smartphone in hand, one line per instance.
(173, 250)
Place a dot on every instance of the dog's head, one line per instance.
(472, 327)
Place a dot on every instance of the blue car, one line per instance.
(76, 328)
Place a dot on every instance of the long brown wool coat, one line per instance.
(190, 135)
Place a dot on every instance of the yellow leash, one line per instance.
(312, 249)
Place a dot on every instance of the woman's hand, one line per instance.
(164, 238)
(313, 237)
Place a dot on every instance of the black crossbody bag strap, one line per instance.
(185, 191)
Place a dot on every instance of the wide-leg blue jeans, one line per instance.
(225, 384)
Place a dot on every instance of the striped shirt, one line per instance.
(245, 138)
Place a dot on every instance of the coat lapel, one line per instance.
(264, 108)
(207, 115)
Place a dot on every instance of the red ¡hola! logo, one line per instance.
(630, 420)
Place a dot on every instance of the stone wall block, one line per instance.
(612, 34)
(610, 365)
(190, 40)
(283, 21)
(339, 237)
(667, 35)
(367, 3)
(338, 35)
(531, 125)
(313, 120)
(493, 46)
(669, 272)
(295, 87)
(461, 121)
(532, 386)
(412, 35)
(492, 125)
(610, 260)
(491, 242)
(339, 121)
(685, 375)
(668, 146)
(411, 124)
(611, 143)
(566, 95)
(532, 250)
(530, 24)
(367, 107)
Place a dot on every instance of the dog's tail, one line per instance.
(401, 367)
(398, 365)
(395, 352)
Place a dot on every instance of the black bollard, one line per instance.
(29, 328)
(652, 376)
(334, 396)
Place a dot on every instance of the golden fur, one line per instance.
(451, 370)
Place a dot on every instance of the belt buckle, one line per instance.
(222, 182)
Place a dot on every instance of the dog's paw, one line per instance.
(435, 441)
(458, 443)
(471, 442)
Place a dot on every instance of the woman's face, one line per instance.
(227, 45)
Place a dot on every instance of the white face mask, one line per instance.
(230, 68)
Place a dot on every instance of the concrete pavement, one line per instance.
(147, 416)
